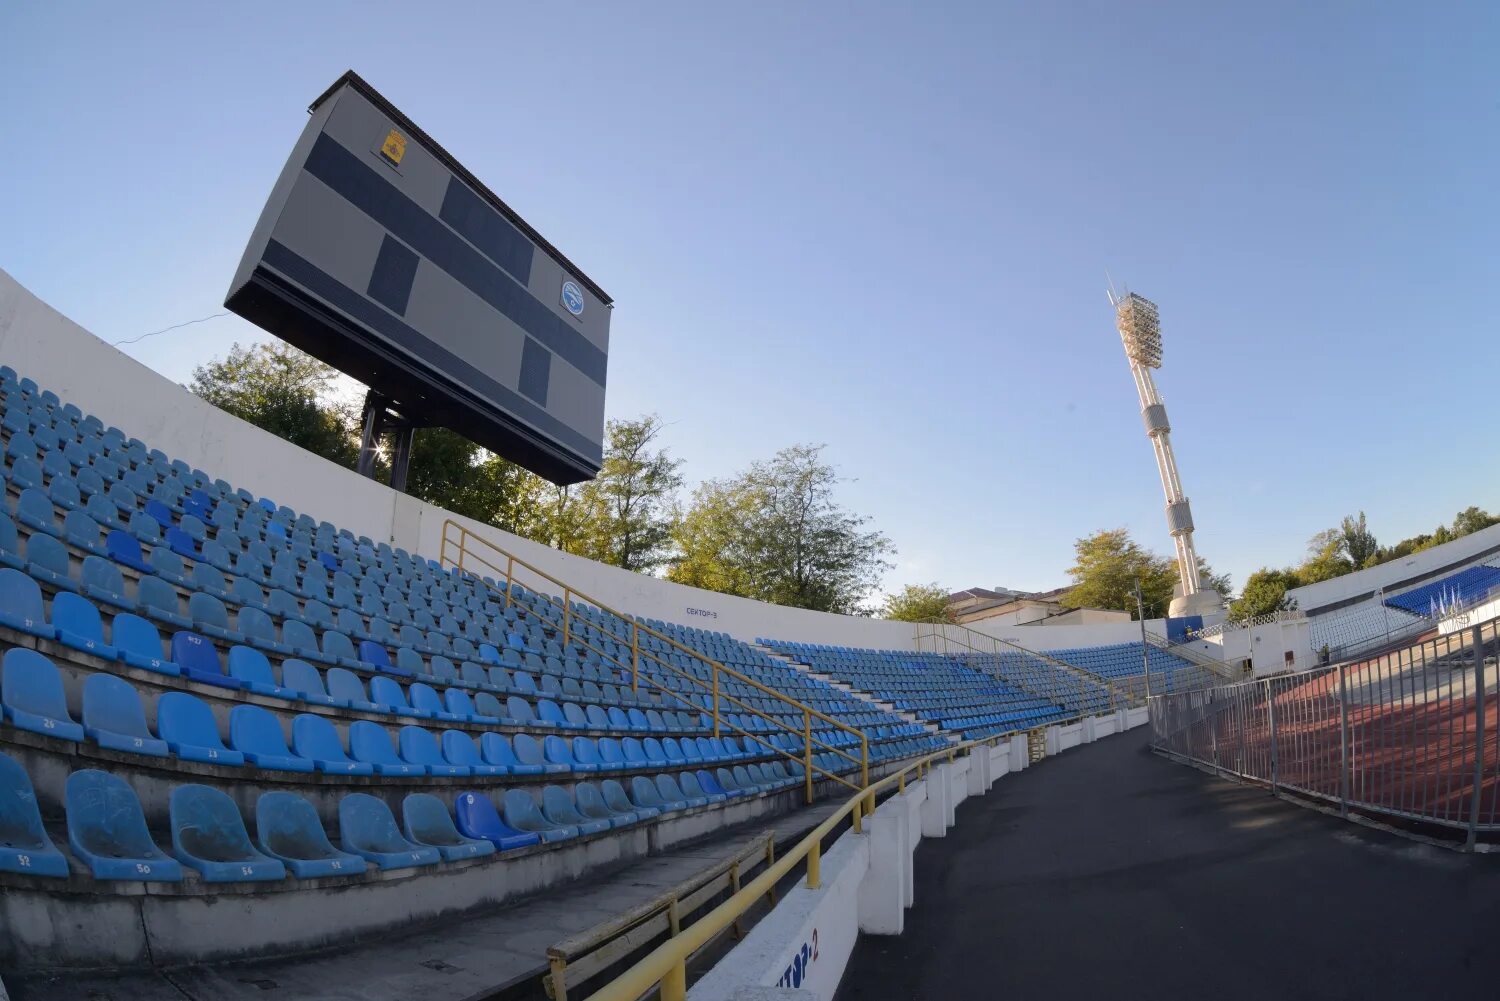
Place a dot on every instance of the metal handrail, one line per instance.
(595, 949)
(716, 669)
(1077, 673)
(667, 963)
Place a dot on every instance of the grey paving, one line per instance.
(464, 959)
(1111, 873)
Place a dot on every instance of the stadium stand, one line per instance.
(1122, 661)
(1459, 589)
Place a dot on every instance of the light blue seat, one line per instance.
(304, 682)
(82, 531)
(345, 686)
(107, 830)
(287, 828)
(420, 747)
(369, 742)
(426, 821)
(256, 733)
(114, 718)
(77, 625)
(47, 561)
(34, 510)
(367, 829)
(208, 835)
(615, 796)
(611, 754)
(591, 804)
(258, 629)
(10, 540)
(210, 617)
(458, 749)
(520, 710)
(390, 697)
(496, 749)
(315, 739)
(656, 755)
(461, 706)
(476, 817)
(187, 724)
(522, 813)
(729, 784)
(157, 598)
(550, 713)
(529, 752)
(24, 845)
(31, 695)
(673, 794)
(169, 566)
(250, 667)
(487, 708)
(559, 808)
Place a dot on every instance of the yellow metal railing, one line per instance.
(950, 635)
(468, 550)
(666, 965)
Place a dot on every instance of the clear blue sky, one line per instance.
(882, 227)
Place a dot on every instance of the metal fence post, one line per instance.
(1478, 739)
(1271, 722)
(1343, 740)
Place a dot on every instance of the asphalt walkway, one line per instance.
(1111, 873)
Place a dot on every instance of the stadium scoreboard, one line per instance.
(381, 255)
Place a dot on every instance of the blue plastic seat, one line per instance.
(256, 733)
(476, 817)
(157, 598)
(426, 821)
(301, 680)
(367, 829)
(694, 790)
(168, 566)
(461, 706)
(346, 687)
(24, 845)
(139, 644)
(617, 800)
(673, 795)
(34, 510)
(529, 752)
(187, 724)
(208, 835)
(496, 749)
(10, 542)
(558, 751)
(426, 701)
(76, 623)
(82, 531)
(559, 808)
(390, 697)
(378, 659)
(47, 561)
(31, 695)
(522, 813)
(420, 747)
(459, 749)
(114, 718)
(250, 668)
(210, 617)
(591, 804)
(315, 739)
(371, 743)
(200, 661)
(107, 830)
(287, 828)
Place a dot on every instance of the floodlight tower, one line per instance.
(1140, 331)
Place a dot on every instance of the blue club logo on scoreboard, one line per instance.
(572, 298)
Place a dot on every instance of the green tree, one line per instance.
(918, 603)
(629, 505)
(1325, 558)
(777, 533)
(1358, 541)
(1472, 519)
(1265, 592)
(1106, 566)
(284, 391)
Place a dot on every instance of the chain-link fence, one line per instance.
(1410, 734)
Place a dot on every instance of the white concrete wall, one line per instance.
(1315, 596)
(1045, 638)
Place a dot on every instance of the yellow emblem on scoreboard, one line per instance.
(394, 147)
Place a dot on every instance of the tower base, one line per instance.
(1206, 603)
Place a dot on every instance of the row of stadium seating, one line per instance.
(108, 833)
(937, 688)
(1169, 672)
(1462, 589)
